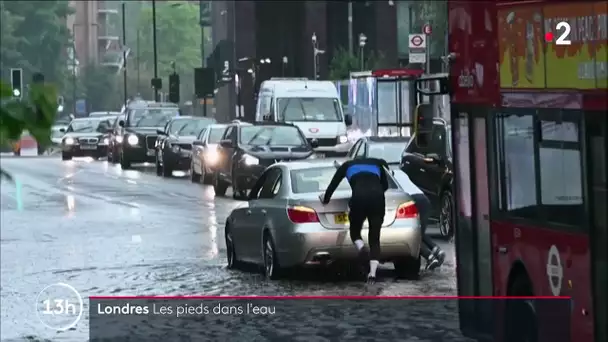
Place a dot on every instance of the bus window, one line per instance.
(516, 167)
(561, 186)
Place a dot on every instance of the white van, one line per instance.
(313, 106)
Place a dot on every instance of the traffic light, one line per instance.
(174, 88)
(204, 82)
(423, 124)
(17, 82)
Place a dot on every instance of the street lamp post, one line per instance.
(285, 60)
(362, 42)
(124, 52)
(315, 54)
(156, 99)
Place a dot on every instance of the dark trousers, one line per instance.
(370, 207)
(424, 209)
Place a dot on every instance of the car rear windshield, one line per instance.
(317, 180)
(391, 152)
(272, 136)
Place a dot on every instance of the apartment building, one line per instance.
(96, 35)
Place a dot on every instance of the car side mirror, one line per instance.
(226, 143)
(62, 130)
(314, 143)
(432, 158)
(121, 123)
(348, 119)
(197, 143)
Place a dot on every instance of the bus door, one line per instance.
(396, 98)
(597, 168)
(471, 151)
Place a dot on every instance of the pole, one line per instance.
(203, 59)
(428, 51)
(138, 71)
(350, 28)
(124, 52)
(156, 98)
(73, 70)
(314, 60)
(362, 58)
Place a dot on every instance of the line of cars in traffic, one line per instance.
(273, 166)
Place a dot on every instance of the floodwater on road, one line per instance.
(105, 231)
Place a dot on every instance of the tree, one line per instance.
(101, 88)
(8, 47)
(178, 37)
(43, 37)
(343, 63)
(35, 114)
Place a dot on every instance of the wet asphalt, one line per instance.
(110, 232)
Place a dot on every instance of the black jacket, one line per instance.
(366, 176)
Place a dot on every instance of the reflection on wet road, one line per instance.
(105, 231)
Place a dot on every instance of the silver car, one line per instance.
(285, 225)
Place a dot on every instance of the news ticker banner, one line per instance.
(306, 319)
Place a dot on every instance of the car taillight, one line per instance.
(406, 210)
(301, 214)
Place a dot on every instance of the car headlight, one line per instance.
(343, 139)
(211, 156)
(250, 160)
(133, 140)
(175, 148)
(69, 141)
(119, 139)
(104, 141)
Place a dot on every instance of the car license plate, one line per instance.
(341, 218)
(151, 153)
(88, 147)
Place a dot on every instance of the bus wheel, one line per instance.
(521, 323)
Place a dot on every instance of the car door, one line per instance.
(413, 164)
(198, 151)
(225, 155)
(435, 171)
(232, 152)
(353, 150)
(261, 208)
(362, 150)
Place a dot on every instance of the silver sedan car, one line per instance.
(284, 224)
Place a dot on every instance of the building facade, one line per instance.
(96, 34)
(264, 39)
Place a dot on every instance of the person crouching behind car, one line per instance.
(429, 249)
(368, 180)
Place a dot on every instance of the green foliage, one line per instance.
(34, 37)
(178, 37)
(101, 88)
(35, 115)
(343, 63)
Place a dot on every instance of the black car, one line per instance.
(140, 130)
(245, 151)
(431, 169)
(387, 148)
(174, 143)
(86, 137)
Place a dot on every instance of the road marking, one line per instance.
(136, 239)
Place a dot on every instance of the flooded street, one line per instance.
(110, 232)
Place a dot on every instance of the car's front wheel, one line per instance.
(194, 176)
(125, 163)
(167, 170)
(232, 261)
(407, 267)
(272, 269)
(66, 156)
(446, 215)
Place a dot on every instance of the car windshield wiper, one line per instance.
(256, 135)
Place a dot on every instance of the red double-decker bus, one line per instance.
(529, 115)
